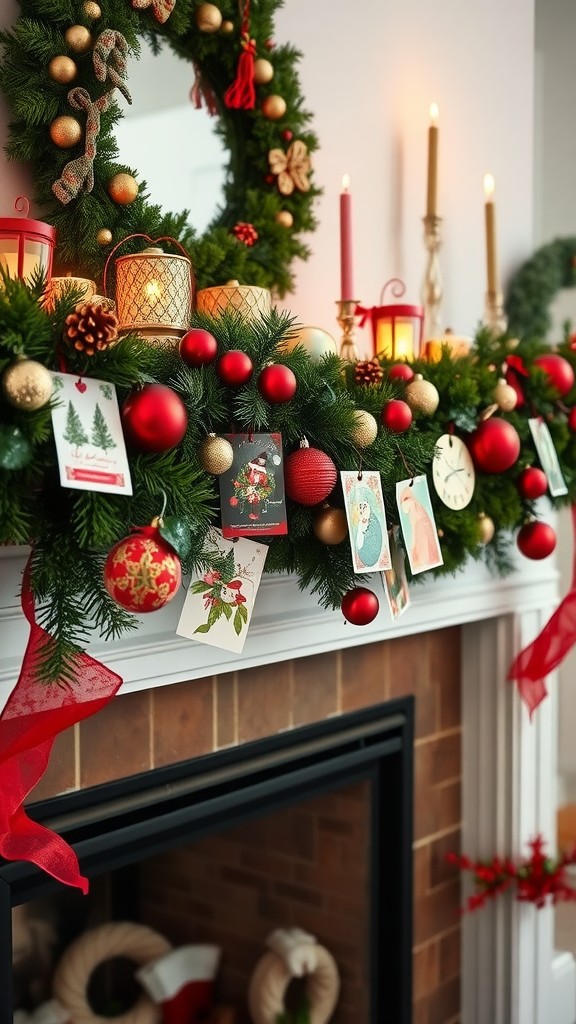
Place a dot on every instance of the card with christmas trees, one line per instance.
(252, 490)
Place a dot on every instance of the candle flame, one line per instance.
(345, 182)
(489, 185)
(434, 114)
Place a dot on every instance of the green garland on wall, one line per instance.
(535, 285)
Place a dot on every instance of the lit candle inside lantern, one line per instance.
(395, 339)
(346, 275)
(490, 221)
(432, 182)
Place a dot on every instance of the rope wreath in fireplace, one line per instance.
(122, 939)
(294, 954)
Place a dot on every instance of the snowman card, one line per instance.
(219, 603)
(252, 490)
(88, 434)
(366, 516)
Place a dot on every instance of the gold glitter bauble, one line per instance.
(91, 10)
(62, 69)
(274, 107)
(284, 218)
(422, 396)
(208, 18)
(26, 384)
(365, 430)
(486, 528)
(330, 525)
(78, 38)
(263, 71)
(123, 188)
(227, 27)
(215, 455)
(504, 396)
(65, 131)
(104, 236)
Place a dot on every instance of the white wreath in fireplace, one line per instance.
(294, 954)
(135, 942)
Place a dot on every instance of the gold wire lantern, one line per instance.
(153, 289)
(247, 300)
(26, 246)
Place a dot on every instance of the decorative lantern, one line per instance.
(247, 300)
(153, 289)
(396, 328)
(26, 246)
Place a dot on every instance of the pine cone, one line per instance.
(91, 328)
(368, 371)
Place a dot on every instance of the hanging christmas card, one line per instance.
(366, 516)
(548, 457)
(394, 579)
(418, 524)
(252, 490)
(219, 603)
(88, 434)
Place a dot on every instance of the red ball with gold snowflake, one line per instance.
(142, 573)
(245, 232)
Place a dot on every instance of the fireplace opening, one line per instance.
(309, 828)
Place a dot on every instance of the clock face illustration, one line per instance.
(453, 472)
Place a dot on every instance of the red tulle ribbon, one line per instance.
(514, 369)
(32, 718)
(242, 93)
(549, 649)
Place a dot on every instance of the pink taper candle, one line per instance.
(346, 276)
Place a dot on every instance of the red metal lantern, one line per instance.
(396, 328)
(26, 246)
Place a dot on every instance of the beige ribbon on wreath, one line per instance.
(292, 167)
(162, 9)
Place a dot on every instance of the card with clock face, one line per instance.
(453, 472)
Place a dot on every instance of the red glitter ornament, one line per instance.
(245, 233)
(532, 483)
(309, 475)
(396, 415)
(234, 368)
(142, 573)
(536, 540)
(558, 371)
(494, 445)
(277, 384)
(401, 371)
(154, 418)
(198, 347)
(287, 135)
(360, 606)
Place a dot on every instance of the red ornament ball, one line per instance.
(234, 368)
(309, 476)
(360, 606)
(536, 540)
(572, 419)
(396, 415)
(532, 483)
(154, 418)
(142, 573)
(277, 383)
(494, 445)
(558, 371)
(401, 371)
(198, 347)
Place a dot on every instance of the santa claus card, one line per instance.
(252, 490)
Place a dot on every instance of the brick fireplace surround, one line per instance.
(302, 665)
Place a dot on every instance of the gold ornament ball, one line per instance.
(263, 71)
(317, 342)
(216, 455)
(91, 10)
(505, 396)
(227, 27)
(330, 525)
(78, 38)
(62, 69)
(486, 528)
(65, 131)
(422, 396)
(365, 428)
(104, 236)
(274, 107)
(284, 218)
(123, 188)
(27, 385)
(208, 18)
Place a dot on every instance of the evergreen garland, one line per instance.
(535, 285)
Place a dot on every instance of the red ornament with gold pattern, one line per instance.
(142, 573)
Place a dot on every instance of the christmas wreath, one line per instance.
(534, 286)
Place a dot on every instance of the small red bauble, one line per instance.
(234, 368)
(558, 370)
(396, 415)
(142, 573)
(277, 383)
(198, 347)
(536, 540)
(360, 606)
(154, 418)
(532, 483)
(494, 445)
(401, 371)
(309, 475)
(572, 419)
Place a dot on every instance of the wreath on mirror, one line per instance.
(65, 72)
(535, 285)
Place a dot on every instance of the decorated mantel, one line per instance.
(161, 421)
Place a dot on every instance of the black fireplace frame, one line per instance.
(119, 823)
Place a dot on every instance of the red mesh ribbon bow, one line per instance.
(33, 716)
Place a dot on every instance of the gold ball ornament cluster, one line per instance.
(263, 71)
(208, 18)
(330, 525)
(284, 218)
(215, 455)
(78, 38)
(104, 236)
(62, 69)
(65, 131)
(504, 396)
(91, 10)
(123, 188)
(26, 384)
(486, 528)
(273, 107)
(422, 396)
(365, 429)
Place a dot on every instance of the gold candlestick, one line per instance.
(347, 320)
(432, 292)
(494, 316)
